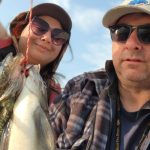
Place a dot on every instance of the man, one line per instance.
(110, 110)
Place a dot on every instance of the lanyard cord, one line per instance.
(28, 40)
(118, 124)
(25, 60)
(145, 139)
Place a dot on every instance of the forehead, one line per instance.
(54, 23)
(136, 18)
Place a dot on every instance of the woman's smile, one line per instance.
(42, 48)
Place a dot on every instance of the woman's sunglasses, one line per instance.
(122, 32)
(40, 27)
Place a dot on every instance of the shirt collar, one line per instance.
(146, 105)
(110, 70)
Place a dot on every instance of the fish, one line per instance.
(10, 86)
(28, 127)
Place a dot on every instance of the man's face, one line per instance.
(131, 59)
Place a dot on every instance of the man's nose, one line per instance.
(133, 41)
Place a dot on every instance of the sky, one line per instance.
(90, 41)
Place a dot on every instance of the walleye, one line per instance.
(29, 127)
(10, 86)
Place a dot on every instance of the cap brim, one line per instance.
(114, 14)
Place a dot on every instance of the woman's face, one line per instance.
(41, 48)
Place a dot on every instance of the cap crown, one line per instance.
(126, 7)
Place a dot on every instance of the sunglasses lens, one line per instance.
(119, 33)
(39, 26)
(59, 36)
(144, 34)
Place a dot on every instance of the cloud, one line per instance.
(97, 53)
(86, 18)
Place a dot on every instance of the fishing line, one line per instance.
(28, 41)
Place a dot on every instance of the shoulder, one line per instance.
(92, 75)
(86, 81)
(97, 74)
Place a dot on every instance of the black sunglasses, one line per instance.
(121, 32)
(40, 27)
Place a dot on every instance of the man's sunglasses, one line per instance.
(122, 32)
(40, 27)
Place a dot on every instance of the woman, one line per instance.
(49, 38)
(45, 44)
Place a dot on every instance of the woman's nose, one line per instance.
(47, 37)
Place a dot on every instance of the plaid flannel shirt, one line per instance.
(81, 117)
(84, 114)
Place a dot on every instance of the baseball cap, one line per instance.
(127, 7)
(46, 9)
